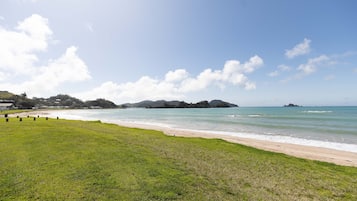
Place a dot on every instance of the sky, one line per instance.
(248, 52)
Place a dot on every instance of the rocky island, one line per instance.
(292, 105)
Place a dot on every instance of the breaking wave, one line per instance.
(317, 111)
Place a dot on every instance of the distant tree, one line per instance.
(100, 103)
(25, 104)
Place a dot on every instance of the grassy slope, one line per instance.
(74, 160)
(6, 95)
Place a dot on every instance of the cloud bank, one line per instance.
(177, 83)
(19, 57)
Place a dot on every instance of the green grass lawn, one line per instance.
(2, 112)
(77, 160)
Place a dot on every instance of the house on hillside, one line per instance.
(6, 104)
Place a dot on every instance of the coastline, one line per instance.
(307, 152)
(301, 151)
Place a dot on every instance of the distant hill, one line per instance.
(102, 103)
(58, 101)
(219, 103)
(4, 95)
(66, 101)
(178, 104)
(20, 101)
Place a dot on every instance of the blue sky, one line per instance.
(252, 53)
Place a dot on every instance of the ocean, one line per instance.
(329, 127)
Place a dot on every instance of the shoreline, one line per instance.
(301, 151)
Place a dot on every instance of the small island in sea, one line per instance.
(292, 105)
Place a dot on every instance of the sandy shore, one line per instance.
(307, 152)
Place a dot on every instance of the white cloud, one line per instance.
(148, 88)
(344, 55)
(68, 68)
(37, 28)
(274, 73)
(202, 81)
(284, 67)
(176, 76)
(2, 17)
(18, 53)
(18, 48)
(233, 72)
(177, 83)
(312, 65)
(299, 49)
(142, 89)
(281, 68)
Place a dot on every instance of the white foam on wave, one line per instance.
(317, 111)
(286, 139)
(233, 115)
(255, 115)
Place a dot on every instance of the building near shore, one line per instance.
(7, 104)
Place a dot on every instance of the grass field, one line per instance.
(77, 160)
(2, 112)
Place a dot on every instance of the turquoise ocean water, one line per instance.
(330, 127)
